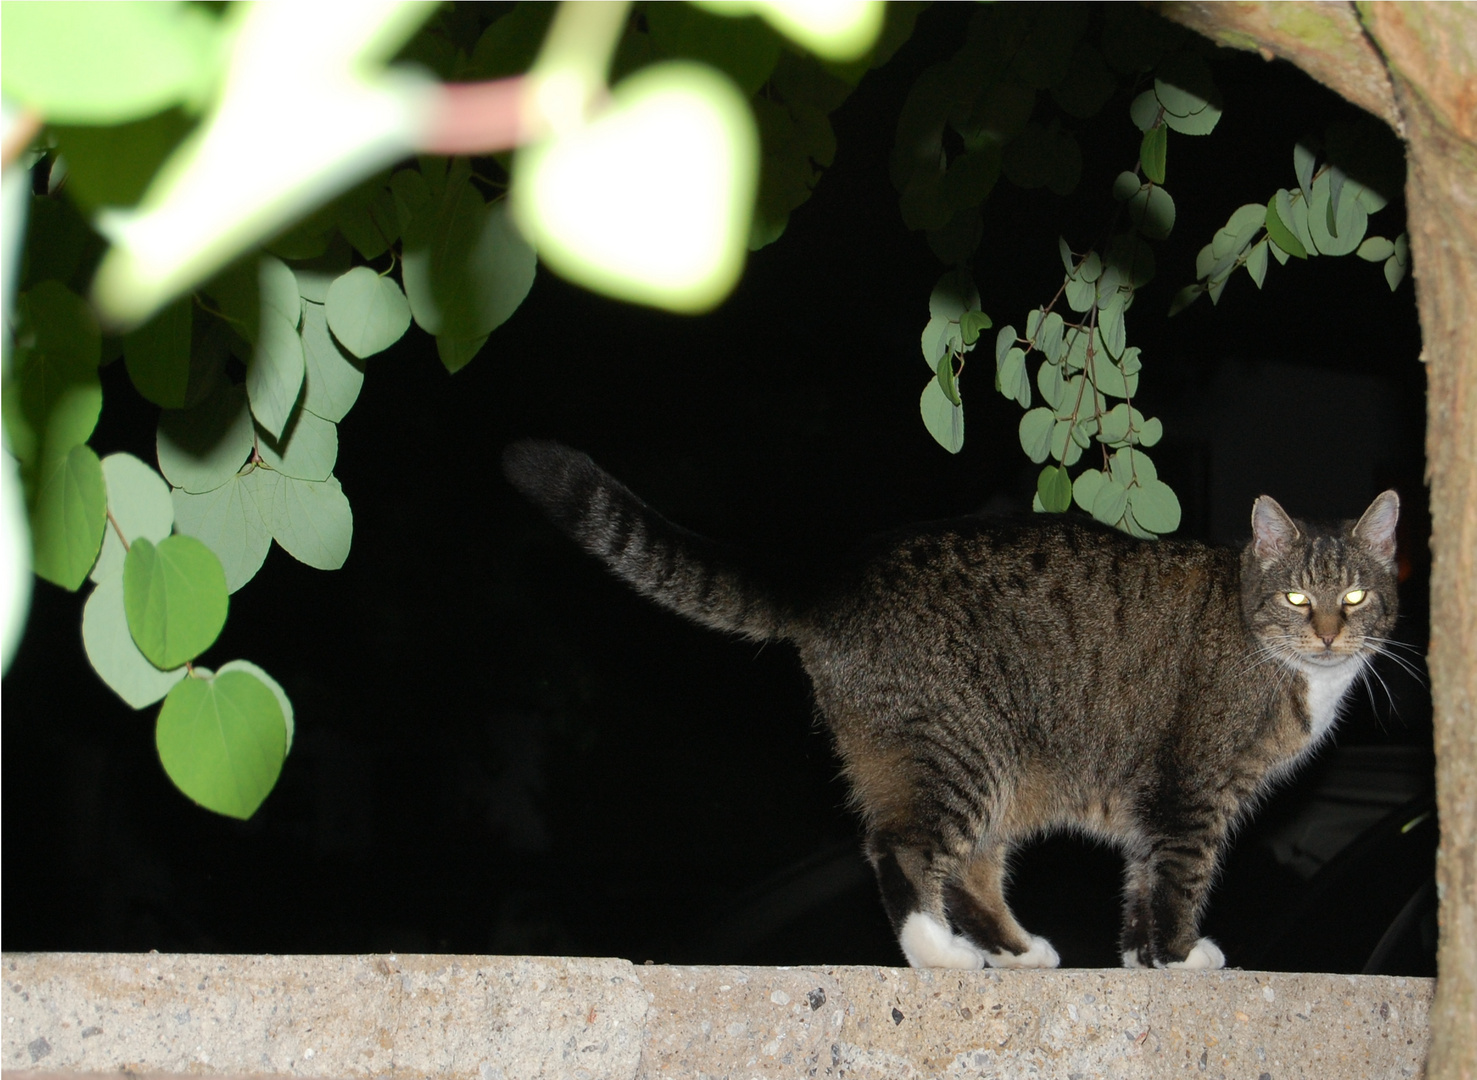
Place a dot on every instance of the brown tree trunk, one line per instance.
(1415, 66)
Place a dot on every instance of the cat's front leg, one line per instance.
(1165, 886)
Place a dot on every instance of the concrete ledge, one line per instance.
(500, 1018)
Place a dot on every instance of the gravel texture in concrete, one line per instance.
(501, 1018)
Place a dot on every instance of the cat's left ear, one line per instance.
(1272, 531)
(1376, 529)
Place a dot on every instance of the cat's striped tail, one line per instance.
(679, 569)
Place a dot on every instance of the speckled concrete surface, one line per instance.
(501, 1018)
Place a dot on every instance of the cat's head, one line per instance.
(1321, 596)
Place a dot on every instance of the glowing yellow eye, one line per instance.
(1354, 596)
(1297, 599)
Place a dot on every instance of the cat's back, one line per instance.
(1056, 608)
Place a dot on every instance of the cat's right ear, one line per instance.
(1272, 531)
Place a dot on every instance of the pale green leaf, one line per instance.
(332, 378)
(222, 741)
(1085, 488)
(138, 499)
(1036, 429)
(1279, 231)
(457, 353)
(1350, 221)
(367, 312)
(308, 450)
(1376, 249)
(274, 374)
(312, 521)
(1011, 375)
(1109, 502)
(1145, 110)
(1256, 262)
(1049, 381)
(112, 652)
(228, 520)
(201, 448)
(1155, 506)
(1152, 210)
(943, 419)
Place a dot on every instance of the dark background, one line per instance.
(500, 750)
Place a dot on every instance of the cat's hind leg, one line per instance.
(976, 907)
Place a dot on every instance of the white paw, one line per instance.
(1205, 956)
(1131, 959)
(1039, 955)
(929, 943)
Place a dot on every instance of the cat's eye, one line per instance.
(1354, 596)
(1297, 599)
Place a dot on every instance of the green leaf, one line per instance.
(112, 652)
(332, 378)
(1281, 235)
(68, 510)
(935, 339)
(1184, 298)
(970, 325)
(466, 269)
(942, 417)
(222, 741)
(1049, 337)
(175, 597)
(57, 348)
(1042, 156)
(1153, 152)
(368, 218)
(1152, 210)
(113, 164)
(312, 521)
(1293, 210)
(229, 521)
(1063, 447)
(1054, 489)
(953, 296)
(138, 499)
(457, 354)
(201, 448)
(1151, 432)
(367, 312)
(157, 355)
(274, 374)
(283, 701)
(509, 45)
(1130, 467)
(1088, 84)
(1107, 378)
(110, 63)
(1397, 264)
(1036, 429)
(945, 376)
(744, 49)
(1155, 506)
(1303, 160)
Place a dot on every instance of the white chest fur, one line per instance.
(1326, 689)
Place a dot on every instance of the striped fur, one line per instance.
(988, 681)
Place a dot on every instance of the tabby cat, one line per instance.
(989, 681)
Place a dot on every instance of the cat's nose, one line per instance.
(1328, 640)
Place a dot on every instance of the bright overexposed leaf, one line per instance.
(228, 519)
(313, 522)
(332, 379)
(650, 201)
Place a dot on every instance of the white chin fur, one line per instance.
(929, 943)
(1131, 959)
(1205, 956)
(1039, 955)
